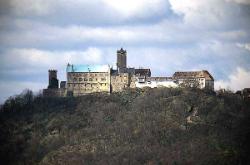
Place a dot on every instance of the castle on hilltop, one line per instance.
(84, 79)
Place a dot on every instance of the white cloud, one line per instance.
(33, 59)
(244, 46)
(207, 14)
(237, 80)
(130, 8)
(196, 11)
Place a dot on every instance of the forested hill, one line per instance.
(150, 126)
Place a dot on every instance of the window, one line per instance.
(141, 80)
(103, 79)
(80, 79)
(90, 79)
(85, 79)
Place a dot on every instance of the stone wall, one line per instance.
(133, 81)
(54, 92)
(121, 59)
(88, 82)
(53, 81)
(209, 84)
(119, 82)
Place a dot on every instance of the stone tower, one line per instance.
(121, 59)
(53, 81)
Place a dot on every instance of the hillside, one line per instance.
(150, 126)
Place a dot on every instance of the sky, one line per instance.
(163, 35)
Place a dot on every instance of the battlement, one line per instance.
(52, 70)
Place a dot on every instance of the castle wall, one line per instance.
(201, 83)
(54, 92)
(132, 81)
(154, 82)
(88, 82)
(209, 84)
(119, 82)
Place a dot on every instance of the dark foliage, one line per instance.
(148, 126)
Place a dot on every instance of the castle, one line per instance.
(84, 79)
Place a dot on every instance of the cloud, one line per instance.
(37, 7)
(210, 14)
(195, 11)
(238, 80)
(240, 1)
(87, 12)
(10, 88)
(233, 35)
(244, 46)
(142, 8)
(36, 34)
(42, 58)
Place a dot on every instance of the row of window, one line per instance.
(86, 85)
(90, 79)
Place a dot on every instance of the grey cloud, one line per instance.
(5, 7)
(94, 12)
